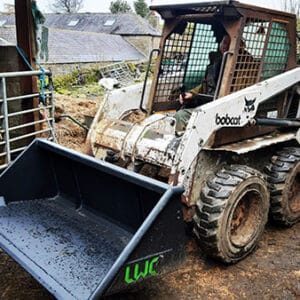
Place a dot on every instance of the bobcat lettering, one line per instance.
(227, 120)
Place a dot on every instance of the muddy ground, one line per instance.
(271, 272)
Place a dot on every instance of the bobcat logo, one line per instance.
(249, 105)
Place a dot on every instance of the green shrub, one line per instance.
(66, 84)
(131, 66)
(90, 76)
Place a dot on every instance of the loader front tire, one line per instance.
(231, 213)
(283, 175)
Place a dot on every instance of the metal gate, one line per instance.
(15, 130)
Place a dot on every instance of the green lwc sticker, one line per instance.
(140, 270)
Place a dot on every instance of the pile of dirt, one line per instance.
(69, 133)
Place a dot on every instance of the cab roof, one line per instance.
(170, 9)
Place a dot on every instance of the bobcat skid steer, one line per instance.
(238, 157)
(92, 226)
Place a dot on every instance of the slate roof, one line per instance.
(67, 46)
(7, 35)
(122, 24)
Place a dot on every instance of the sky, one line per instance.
(103, 5)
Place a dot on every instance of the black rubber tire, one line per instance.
(231, 213)
(283, 176)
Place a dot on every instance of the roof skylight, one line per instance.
(110, 22)
(73, 22)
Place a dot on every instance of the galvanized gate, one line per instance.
(21, 122)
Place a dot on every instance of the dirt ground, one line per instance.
(271, 272)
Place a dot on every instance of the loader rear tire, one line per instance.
(231, 213)
(283, 175)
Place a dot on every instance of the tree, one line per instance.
(292, 6)
(141, 8)
(66, 6)
(119, 7)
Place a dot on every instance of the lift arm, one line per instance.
(234, 110)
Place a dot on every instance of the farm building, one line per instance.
(130, 27)
(69, 49)
(89, 39)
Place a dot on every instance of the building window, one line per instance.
(73, 23)
(109, 22)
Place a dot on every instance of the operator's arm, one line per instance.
(192, 93)
(197, 90)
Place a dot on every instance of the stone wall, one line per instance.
(68, 68)
(144, 43)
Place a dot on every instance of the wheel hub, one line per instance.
(245, 219)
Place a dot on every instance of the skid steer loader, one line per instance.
(240, 146)
(91, 226)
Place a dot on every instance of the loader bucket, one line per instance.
(85, 228)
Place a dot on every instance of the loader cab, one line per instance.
(187, 52)
(262, 46)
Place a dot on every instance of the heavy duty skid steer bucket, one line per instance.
(85, 228)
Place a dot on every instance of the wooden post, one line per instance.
(25, 41)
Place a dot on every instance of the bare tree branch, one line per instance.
(66, 6)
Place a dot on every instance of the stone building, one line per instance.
(91, 38)
(68, 49)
